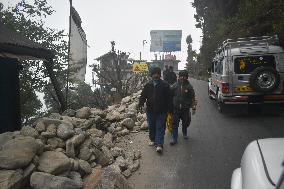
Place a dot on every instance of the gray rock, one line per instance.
(125, 100)
(74, 165)
(116, 151)
(121, 162)
(65, 131)
(85, 167)
(18, 152)
(50, 131)
(111, 129)
(5, 137)
(93, 132)
(56, 143)
(40, 126)
(144, 126)
(83, 113)
(107, 140)
(78, 139)
(85, 153)
(128, 123)
(104, 157)
(127, 173)
(76, 177)
(69, 112)
(87, 124)
(70, 149)
(133, 106)
(29, 131)
(54, 162)
(112, 179)
(114, 116)
(11, 179)
(41, 180)
(123, 132)
(97, 142)
(137, 154)
(133, 167)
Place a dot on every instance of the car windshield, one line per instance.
(245, 65)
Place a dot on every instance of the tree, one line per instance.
(223, 19)
(192, 64)
(28, 20)
(115, 74)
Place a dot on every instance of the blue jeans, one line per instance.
(157, 127)
(185, 116)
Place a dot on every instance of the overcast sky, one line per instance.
(128, 23)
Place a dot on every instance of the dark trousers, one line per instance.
(185, 116)
(157, 127)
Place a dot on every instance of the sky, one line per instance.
(128, 23)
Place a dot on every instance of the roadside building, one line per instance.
(13, 48)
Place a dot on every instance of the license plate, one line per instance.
(241, 89)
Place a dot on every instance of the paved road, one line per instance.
(214, 150)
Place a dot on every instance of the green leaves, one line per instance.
(28, 19)
(223, 19)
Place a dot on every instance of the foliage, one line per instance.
(223, 19)
(28, 20)
(114, 73)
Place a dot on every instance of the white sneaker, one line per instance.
(151, 143)
(159, 149)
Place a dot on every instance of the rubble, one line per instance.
(74, 150)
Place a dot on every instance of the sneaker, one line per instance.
(151, 143)
(173, 142)
(159, 149)
(185, 137)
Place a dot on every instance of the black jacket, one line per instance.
(158, 98)
(183, 95)
(170, 77)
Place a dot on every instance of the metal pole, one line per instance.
(67, 79)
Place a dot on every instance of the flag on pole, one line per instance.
(78, 48)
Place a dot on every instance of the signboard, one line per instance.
(140, 67)
(165, 40)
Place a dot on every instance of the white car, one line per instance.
(261, 166)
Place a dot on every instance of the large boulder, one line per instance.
(18, 152)
(41, 180)
(113, 179)
(83, 113)
(54, 162)
(11, 179)
(65, 131)
(69, 112)
(128, 123)
(29, 131)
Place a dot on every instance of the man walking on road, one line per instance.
(157, 95)
(183, 100)
(170, 76)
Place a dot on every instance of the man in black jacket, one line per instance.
(183, 100)
(157, 95)
(170, 76)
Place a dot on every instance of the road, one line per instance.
(208, 158)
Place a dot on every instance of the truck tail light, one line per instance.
(225, 88)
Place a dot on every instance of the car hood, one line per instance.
(272, 152)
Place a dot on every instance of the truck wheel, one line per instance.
(264, 79)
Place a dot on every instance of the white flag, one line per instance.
(78, 48)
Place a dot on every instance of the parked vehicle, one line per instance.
(261, 166)
(248, 71)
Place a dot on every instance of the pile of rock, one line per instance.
(74, 150)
